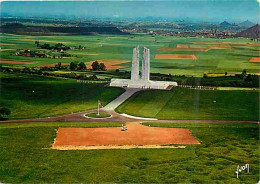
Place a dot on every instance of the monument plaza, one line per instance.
(143, 80)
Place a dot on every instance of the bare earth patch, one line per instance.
(175, 56)
(16, 62)
(7, 44)
(116, 147)
(111, 64)
(182, 46)
(137, 135)
(255, 59)
(220, 47)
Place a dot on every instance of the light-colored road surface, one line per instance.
(119, 100)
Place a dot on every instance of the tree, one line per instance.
(4, 112)
(58, 66)
(37, 43)
(243, 74)
(102, 67)
(73, 66)
(82, 66)
(95, 66)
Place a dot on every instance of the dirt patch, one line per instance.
(175, 56)
(7, 44)
(116, 147)
(255, 59)
(16, 62)
(182, 46)
(183, 49)
(111, 64)
(220, 47)
(136, 135)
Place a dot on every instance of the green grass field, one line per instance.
(29, 96)
(25, 157)
(101, 115)
(120, 47)
(183, 103)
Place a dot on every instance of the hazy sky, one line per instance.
(208, 10)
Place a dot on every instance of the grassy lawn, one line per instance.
(30, 96)
(98, 47)
(101, 115)
(183, 103)
(25, 157)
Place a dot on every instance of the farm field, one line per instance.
(183, 103)
(29, 96)
(213, 55)
(26, 157)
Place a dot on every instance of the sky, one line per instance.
(203, 10)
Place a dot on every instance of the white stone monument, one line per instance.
(142, 81)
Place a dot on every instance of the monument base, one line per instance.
(149, 84)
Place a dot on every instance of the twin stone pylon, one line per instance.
(145, 76)
(141, 81)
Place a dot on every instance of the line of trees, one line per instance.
(58, 46)
(4, 113)
(96, 66)
(77, 66)
(71, 75)
(239, 80)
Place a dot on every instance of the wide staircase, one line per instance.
(119, 100)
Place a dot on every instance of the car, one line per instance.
(124, 128)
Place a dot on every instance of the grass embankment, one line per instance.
(223, 147)
(100, 115)
(182, 103)
(30, 96)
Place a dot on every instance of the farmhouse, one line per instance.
(143, 80)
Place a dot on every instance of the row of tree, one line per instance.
(71, 75)
(4, 113)
(59, 46)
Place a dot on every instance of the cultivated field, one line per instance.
(183, 103)
(213, 55)
(175, 56)
(29, 96)
(26, 156)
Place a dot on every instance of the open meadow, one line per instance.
(183, 103)
(208, 55)
(30, 96)
(26, 157)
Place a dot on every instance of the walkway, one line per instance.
(119, 100)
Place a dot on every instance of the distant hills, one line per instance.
(244, 24)
(17, 28)
(252, 32)
(225, 23)
(247, 23)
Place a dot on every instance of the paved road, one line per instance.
(119, 100)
